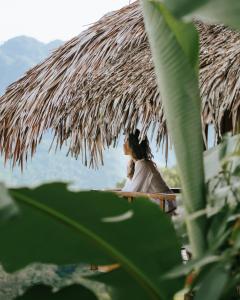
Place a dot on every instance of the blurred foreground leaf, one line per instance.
(62, 227)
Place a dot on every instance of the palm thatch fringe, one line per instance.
(102, 83)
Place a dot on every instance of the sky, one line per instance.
(48, 20)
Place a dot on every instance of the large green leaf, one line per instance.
(213, 157)
(121, 286)
(173, 45)
(217, 229)
(215, 11)
(213, 284)
(192, 265)
(63, 227)
(182, 8)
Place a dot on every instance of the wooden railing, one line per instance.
(130, 196)
(162, 197)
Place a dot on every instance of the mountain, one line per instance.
(19, 54)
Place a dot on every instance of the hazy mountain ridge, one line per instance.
(19, 54)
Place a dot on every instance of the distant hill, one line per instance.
(19, 54)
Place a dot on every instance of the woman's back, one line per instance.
(146, 179)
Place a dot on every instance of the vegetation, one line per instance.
(215, 273)
(97, 227)
(91, 227)
(174, 45)
(52, 224)
(171, 177)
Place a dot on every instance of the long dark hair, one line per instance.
(139, 150)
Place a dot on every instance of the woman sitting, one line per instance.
(143, 175)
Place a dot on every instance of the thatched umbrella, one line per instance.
(102, 82)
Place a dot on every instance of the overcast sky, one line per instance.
(47, 20)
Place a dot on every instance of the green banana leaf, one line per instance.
(213, 283)
(214, 11)
(120, 285)
(213, 157)
(174, 47)
(57, 226)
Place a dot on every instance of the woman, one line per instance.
(143, 175)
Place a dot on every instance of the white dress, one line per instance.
(147, 179)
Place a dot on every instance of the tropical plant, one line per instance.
(52, 224)
(215, 275)
(112, 225)
(174, 45)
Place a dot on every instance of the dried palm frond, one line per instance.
(102, 83)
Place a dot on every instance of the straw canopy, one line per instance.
(102, 83)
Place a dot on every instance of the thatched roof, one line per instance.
(102, 82)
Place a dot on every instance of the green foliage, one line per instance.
(215, 11)
(54, 225)
(120, 184)
(211, 224)
(174, 47)
(171, 176)
(223, 212)
(218, 271)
